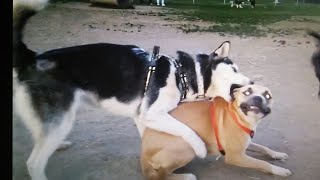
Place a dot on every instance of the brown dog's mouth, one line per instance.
(256, 109)
(246, 107)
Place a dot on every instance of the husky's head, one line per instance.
(225, 74)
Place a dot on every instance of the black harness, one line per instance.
(183, 84)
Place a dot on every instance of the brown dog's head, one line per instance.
(253, 101)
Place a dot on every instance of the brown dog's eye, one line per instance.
(268, 96)
(248, 92)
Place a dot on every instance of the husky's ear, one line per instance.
(222, 51)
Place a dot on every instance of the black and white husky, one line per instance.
(47, 87)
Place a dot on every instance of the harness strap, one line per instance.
(216, 129)
(244, 128)
(183, 85)
(152, 66)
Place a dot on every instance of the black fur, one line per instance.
(22, 56)
(188, 67)
(238, 2)
(221, 60)
(253, 3)
(98, 68)
(159, 79)
(316, 56)
(206, 72)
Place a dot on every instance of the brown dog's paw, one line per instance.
(280, 156)
(281, 171)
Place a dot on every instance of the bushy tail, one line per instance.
(22, 11)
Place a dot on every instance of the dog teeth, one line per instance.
(253, 107)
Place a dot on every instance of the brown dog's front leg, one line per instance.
(266, 151)
(249, 162)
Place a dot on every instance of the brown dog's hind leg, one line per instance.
(266, 151)
(160, 165)
(246, 161)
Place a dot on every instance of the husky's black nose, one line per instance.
(251, 82)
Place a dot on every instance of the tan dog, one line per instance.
(233, 124)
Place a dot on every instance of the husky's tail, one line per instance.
(22, 11)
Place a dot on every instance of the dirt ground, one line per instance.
(107, 147)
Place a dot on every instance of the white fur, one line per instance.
(157, 116)
(220, 77)
(162, 2)
(265, 150)
(199, 78)
(46, 145)
(280, 171)
(25, 111)
(223, 50)
(186, 176)
(32, 4)
(129, 109)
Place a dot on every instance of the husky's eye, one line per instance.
(234, 69)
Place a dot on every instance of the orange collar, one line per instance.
(216, 130)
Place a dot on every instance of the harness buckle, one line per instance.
(152, 67)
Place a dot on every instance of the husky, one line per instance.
(48, 87)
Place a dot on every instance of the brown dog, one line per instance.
(224, 127)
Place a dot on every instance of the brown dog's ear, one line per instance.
(222, 51)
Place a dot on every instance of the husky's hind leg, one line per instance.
(47, 145)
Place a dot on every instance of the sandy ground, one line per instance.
(107, 147)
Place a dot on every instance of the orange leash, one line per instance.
(216, 130)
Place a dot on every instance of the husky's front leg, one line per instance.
(162, 121)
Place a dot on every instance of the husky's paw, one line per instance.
(279, 155)
(189, 177)
(198, 146)
(281, 171)
(64, 145)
